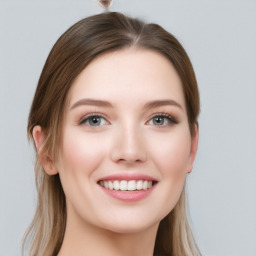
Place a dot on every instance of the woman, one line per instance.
(114, 122)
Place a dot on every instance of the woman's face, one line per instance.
(126, 146)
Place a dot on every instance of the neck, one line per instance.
(83, 239)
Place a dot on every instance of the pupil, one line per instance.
(94, 120)
(158, 120)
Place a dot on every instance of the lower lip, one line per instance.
(129, 196)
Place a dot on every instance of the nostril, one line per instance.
(130, 161)
(128, 156)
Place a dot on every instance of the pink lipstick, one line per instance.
(128, 187)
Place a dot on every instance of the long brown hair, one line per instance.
(73, 51)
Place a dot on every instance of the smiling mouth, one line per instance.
(127, 185)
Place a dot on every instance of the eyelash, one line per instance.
(86, 118)
(167, 116)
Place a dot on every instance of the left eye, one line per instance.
(161, 120)
(94, 121)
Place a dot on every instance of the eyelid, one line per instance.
(86, 116)
(170, 117)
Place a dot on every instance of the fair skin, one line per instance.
(126, 117)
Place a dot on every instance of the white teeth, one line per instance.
(131, 185)
(105, 184)
(110, 185)
(116, 185)
(145, 185)
(139, 184)
(125, 185)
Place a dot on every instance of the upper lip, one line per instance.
(128, 176)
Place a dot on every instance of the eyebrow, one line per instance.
(160, 103)
(91, 102)
(103, 103)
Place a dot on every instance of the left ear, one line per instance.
(193, 148)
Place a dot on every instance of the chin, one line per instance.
(134, 223)
(131, 228)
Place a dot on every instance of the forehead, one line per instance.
(135, 75)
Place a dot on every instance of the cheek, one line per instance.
(171, 158)
(171, 154)
(80, 156)
(81, 152)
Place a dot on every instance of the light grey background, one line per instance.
(219, 36)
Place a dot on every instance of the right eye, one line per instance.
(94, 120)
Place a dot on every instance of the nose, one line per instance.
(128, 146)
